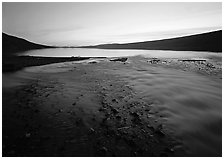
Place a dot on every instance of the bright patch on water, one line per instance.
(69, 52)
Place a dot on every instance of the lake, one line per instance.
(83, 52)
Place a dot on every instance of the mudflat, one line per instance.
(102, 107)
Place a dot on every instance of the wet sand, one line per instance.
(105, 108)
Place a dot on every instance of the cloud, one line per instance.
(55, 30)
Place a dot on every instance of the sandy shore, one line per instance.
(93, 108)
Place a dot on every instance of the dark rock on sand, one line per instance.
(123, 59)
(114, 110)
(154, 61)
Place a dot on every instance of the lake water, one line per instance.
(69, 52)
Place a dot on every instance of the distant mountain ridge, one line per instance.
(211, 41)
(12, 44)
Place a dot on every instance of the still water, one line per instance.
(191, 103)
(69, 52)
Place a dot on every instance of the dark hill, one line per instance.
(211, 41)
(12, 44)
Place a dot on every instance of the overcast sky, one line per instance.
(96, 23)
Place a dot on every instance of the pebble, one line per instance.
(60, 110)
(147, 110)
(103, 149)
(118, 117)
(92, 130)
(115, 111)
(28, 135)
(143, 130)
(102, 109)
(114, 100)
(169, 150)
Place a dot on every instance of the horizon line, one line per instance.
(110, 43)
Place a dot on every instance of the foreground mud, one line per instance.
(84, 110)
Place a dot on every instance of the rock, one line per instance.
(123, 59)
(134, 114)
(114, 100)
(118, 117)
(143, 130)
(115, 111)
(135, 153)
(210, 65)
(137, 120)
(92, 62)
(104, 103)
(60, 110)
(74, 103)
(151, 135)
(102, 109)
(92, 130)
(193, 60)
(154, 61)
(28, 135)
(169, 150)
(147, 109)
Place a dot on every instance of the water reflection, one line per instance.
(68, 52)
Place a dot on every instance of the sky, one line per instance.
(76, 23)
